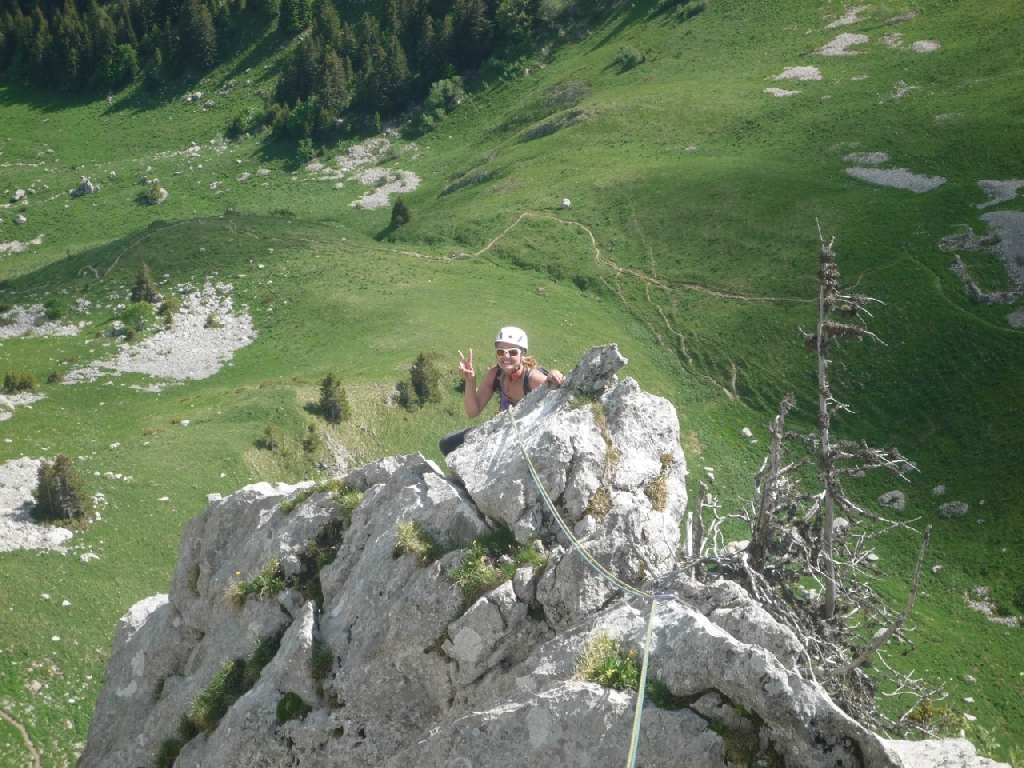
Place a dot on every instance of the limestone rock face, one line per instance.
(379, 658)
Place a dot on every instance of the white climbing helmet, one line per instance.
(512, 335)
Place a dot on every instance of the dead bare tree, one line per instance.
(796, 540)
(843, 457)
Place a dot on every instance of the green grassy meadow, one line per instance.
(703, 195)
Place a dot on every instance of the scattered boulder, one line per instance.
(19, 195)
(20, 219)
(953, 509)
(155, 194)
(85, 187)
(893, 500)
(566, 203)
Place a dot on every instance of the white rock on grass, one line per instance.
(780, 93)
(899, 178)
(852, 16)
(867, 158)
(999, 191)
(1016, 318)
(925, 46)
(1009, 225)
(9, 403)
(186, 350)
(799, 73)
(31, 321)
(394, 182)
(841, 44)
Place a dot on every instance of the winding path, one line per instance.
(626, 270)
(24, 735)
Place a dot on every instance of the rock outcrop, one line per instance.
(85, 187)
(376, 653)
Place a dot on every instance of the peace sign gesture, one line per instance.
(466, 366)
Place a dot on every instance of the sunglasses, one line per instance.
(507, 352)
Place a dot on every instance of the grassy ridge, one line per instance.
(705, 272)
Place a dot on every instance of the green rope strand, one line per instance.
(565, 528)
(635, 742)
(602, 571)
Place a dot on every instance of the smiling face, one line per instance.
(510, 357)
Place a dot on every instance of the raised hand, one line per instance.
(466, 365)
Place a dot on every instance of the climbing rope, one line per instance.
(618, 583)
(606, 574)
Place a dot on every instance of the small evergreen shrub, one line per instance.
(25, 381)
(273, 437)
(60, 493)
(54, 308)
(144, 289)
(628, 57)
(333, 403)
(400, 213)
(312, 441)
(55, 377)
(212, 321)
(423, 384)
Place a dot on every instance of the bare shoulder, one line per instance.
(489, 376)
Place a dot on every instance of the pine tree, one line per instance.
(427, 50)
(60, 494)
(425, 378)
(200, 34)
(327, 25)
(334, 93)
(144, 288)
(400, 214)
(334, 405)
